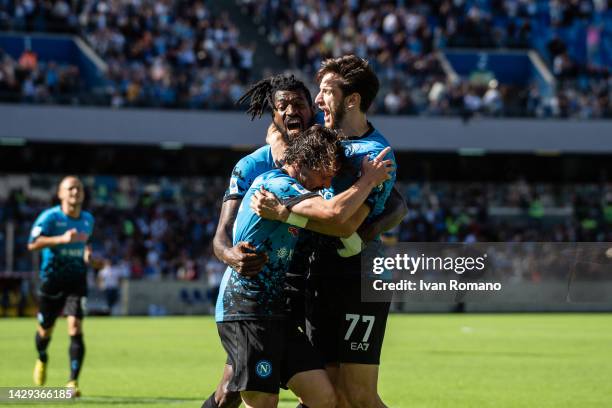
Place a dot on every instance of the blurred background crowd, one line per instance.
(162, 228)
(169, 53)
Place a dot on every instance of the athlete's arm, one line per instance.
(269, 206)
(393, 214)
(240, 257)
(339, 209)
(72, 235)
(87, 254)
(340, 229)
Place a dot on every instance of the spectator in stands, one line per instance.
(180, 54)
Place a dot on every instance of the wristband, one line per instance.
(352, 246)
(297, 220)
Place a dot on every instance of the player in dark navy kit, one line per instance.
(265, 348)
(348, 332)
(62, 233)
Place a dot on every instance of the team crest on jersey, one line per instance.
(326, 194)
(263, 368)
(293, 231)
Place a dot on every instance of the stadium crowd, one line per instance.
(158, 52)
(401, 39)
(178, 54)
(162, 228)
(30, 80)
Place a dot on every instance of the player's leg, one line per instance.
(333, 372)
(76, 349)
(313, 389)
(255, 399)
(49, 309)
(254, 348)
(359, 386)
(222, 398)
(360, 340)
(355, 333)
(320, 322)
(302, 370)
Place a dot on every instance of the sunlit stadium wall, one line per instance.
(22, 124)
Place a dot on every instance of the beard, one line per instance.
(339, 115)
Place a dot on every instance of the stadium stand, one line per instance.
(28, 80)
(159, 53)
(402, 38)
(180, 54)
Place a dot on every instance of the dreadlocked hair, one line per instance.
(260, 96)
(317, 148)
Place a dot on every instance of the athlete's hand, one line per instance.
(243, 259)
(378, 170)
(268, 206)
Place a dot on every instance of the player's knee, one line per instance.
(228, 399)
(361, 397)
(74, 327)
(341, 399)
(327, 399)
(45, 332)
(260, 400)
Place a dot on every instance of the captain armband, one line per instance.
(352, 246)
(297, 220)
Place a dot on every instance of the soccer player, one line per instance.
(349, 333)
(62, 233)
(290, 104)
(265, 348)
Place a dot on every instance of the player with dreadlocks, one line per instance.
(290, 104)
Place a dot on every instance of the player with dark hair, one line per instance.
(290, 105)
(349, 333)
(62, 233)
(266, 349)
(289, 102)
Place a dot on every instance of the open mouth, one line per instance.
(293, 124)
(326, 114)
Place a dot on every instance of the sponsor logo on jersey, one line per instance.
(233, 189)
(282, 253)
(299, 189)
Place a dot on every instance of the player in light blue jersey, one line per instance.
(62, 234)
(348, 332)
(265, 348)
(290, 104)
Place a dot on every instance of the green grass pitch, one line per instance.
(525, 360)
